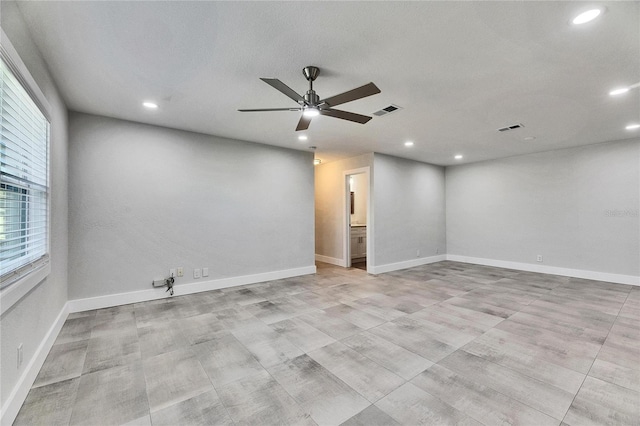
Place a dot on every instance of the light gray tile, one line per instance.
(266, 345)
(539, 395)
(201, 410)
(64, 361)
(355, 316)
(110, 351)
(320, 393)
(379, 305)
(49, 405)
(141, 421)
(149, 314)
(330, 325)
(369, 379)
(76, 329)
(396, 359)
(410, 405)
(301, 334)
(174, 377)
(410, 335)
(226, 360)
(371, 416)
(260, 400)
(159, 339)
(599, 403)
(478, 401)
(619, 375)
(114, 323)
(501, 352)
(113, 396)
(477, 317)
(202, 328)
(480, 306)
(554, 352)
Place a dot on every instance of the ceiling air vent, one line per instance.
(387, 110)
(512, 127)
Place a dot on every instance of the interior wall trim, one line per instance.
(107, 301)
(381, 269)
(553, 270)
(19, 393)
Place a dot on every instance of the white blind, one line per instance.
(24, 179)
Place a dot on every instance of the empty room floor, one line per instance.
(446, 343)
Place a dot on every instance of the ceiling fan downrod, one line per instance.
(311, 73)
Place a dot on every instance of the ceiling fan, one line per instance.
(311, 105)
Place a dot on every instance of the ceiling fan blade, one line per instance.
(303, 124)
(358, 93)
(345, 115)
(270, 109)
(280, 86)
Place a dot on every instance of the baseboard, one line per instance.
(553, 270)
(381, 269)
(19, 393)
(79, 305)
(331, 260)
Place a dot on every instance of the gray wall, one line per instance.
(31, 318)
(329, 204)
(144, 199)
(557, 204)
(409, 209)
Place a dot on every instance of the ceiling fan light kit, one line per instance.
(311, 105)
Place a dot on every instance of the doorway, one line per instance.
(357, 219)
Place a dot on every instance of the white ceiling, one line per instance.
(460, 70)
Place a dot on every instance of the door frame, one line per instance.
(346, 215)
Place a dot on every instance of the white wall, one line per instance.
(329, 206)
(31, 319)
(555, 204)
(409, 209)
(144, 199)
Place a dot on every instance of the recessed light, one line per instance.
(150, 105)
(619, 91)
(587, 16)
(408, 143)
(317, 161)
(302, 138)
(633, 126)
(458, 157)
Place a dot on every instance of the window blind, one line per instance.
(24, 179)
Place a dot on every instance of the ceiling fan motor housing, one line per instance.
(311, 98)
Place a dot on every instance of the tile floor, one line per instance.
(446, 343)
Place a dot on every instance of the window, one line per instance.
(24, 180)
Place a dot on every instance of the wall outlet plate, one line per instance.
(205, 272)
(539, 258)
(196, 273)
(180, 271)
(20, 355)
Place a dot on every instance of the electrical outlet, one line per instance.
(539, 258)
(205, 272)
(19, 355)
(172, 272)
(180, 272)
(196, 273)
(418, 253)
